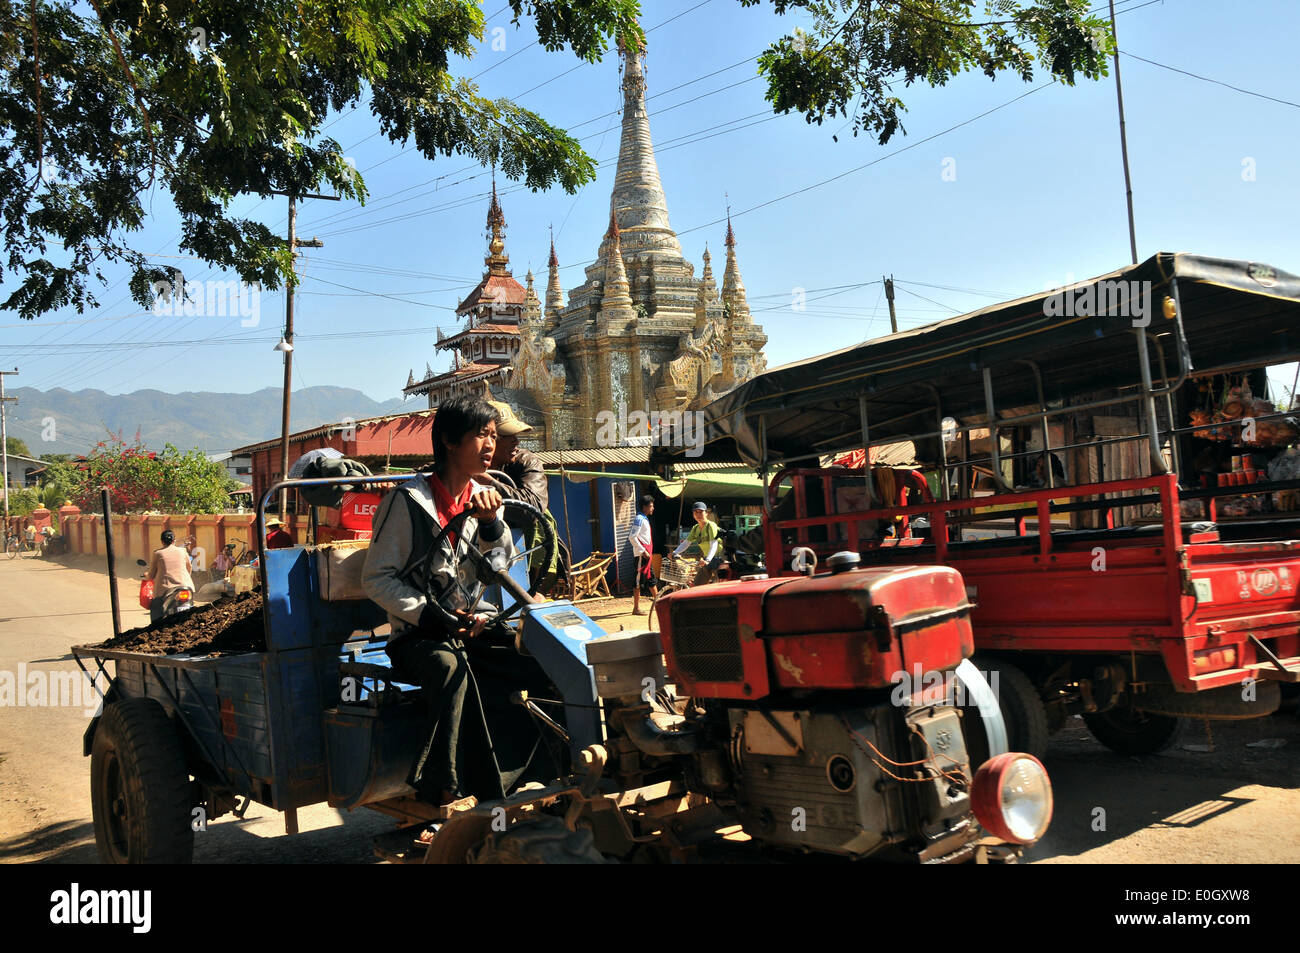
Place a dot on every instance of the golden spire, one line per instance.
(554, 291)
(497, 259)
(733, 289)
(617, 299)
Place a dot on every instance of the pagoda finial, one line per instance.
(733, 289)
(616, 302)
(497, 259)
(532, 307)
(554, 291)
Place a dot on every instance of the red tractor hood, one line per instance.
(849, 630)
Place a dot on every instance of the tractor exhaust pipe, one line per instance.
(658, 733)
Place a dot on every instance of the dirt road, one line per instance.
(1236, 803)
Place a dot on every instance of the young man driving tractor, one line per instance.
(467, 672)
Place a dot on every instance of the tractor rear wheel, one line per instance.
(1125, 730)
(540, 840)
(140, 787)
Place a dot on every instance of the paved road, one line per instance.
(1236, 803)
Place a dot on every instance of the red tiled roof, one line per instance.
(512, 329)
(464, 371)
(502, 289)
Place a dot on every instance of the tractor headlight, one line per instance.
(1012, 797)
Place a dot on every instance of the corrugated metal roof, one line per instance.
(324, 429)
(711, 467)
(578, 458)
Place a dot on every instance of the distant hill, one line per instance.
(209, 421)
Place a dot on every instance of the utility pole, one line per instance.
(287, 344)
(889, 296)
(4, 441)
(1123, 142)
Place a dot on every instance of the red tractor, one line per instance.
(832, 715)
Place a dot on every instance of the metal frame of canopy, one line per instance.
(1221, 315)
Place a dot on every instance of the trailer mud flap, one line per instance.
(979, 692)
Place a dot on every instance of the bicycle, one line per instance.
(15, 544)
(675, 575)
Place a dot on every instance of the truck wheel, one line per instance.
(541, 840)
(139, 787)
(1125, 730)
(1021, 706)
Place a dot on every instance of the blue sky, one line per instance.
(1037, 198)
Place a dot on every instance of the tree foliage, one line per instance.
(139, 480)
(211, 99)
(22, 500)
(860, 51)
(107, 107)
(18, 446)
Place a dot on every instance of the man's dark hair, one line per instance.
(1058, 468)
(168, 537)
(646, 500)
(454, 419)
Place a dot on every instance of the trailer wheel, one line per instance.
(1023, 709)
(541, 840)
(1125, 730)
(139, 787)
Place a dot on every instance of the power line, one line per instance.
(1206, 79)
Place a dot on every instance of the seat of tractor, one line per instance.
(376, 682)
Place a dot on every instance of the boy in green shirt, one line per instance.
(704, 539)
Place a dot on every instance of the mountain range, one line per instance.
(64, 421)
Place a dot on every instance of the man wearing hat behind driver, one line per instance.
(276, 537)
(703, 539)
(522, 466)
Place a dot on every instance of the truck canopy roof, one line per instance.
(1079, 339)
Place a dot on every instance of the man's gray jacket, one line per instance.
(393, 579)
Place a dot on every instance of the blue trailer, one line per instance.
(320, 717)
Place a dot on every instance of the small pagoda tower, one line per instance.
(484, 348)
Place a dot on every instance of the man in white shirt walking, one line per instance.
(643, 548)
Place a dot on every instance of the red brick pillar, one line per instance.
(68, 512)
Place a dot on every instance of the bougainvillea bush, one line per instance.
(140, 480)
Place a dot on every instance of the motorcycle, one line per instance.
(178, 600)
(739, 560)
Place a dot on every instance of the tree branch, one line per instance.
(135, 88)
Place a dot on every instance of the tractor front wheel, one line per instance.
(1022, 709)
(139, 787)
(540, 840)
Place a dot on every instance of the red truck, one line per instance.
(1153, 575)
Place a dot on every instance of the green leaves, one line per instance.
(847, 66)
(237, 93)
(139, 480)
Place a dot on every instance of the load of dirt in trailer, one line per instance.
(230, 625)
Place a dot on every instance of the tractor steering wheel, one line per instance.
(489, 569)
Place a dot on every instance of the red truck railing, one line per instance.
(1216, 610)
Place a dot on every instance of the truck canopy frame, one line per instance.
(1191, 312)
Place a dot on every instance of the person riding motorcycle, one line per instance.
(170, 571)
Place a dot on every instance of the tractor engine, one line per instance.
(802, 708)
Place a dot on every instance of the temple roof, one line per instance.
(502, 289)
(466, 372)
